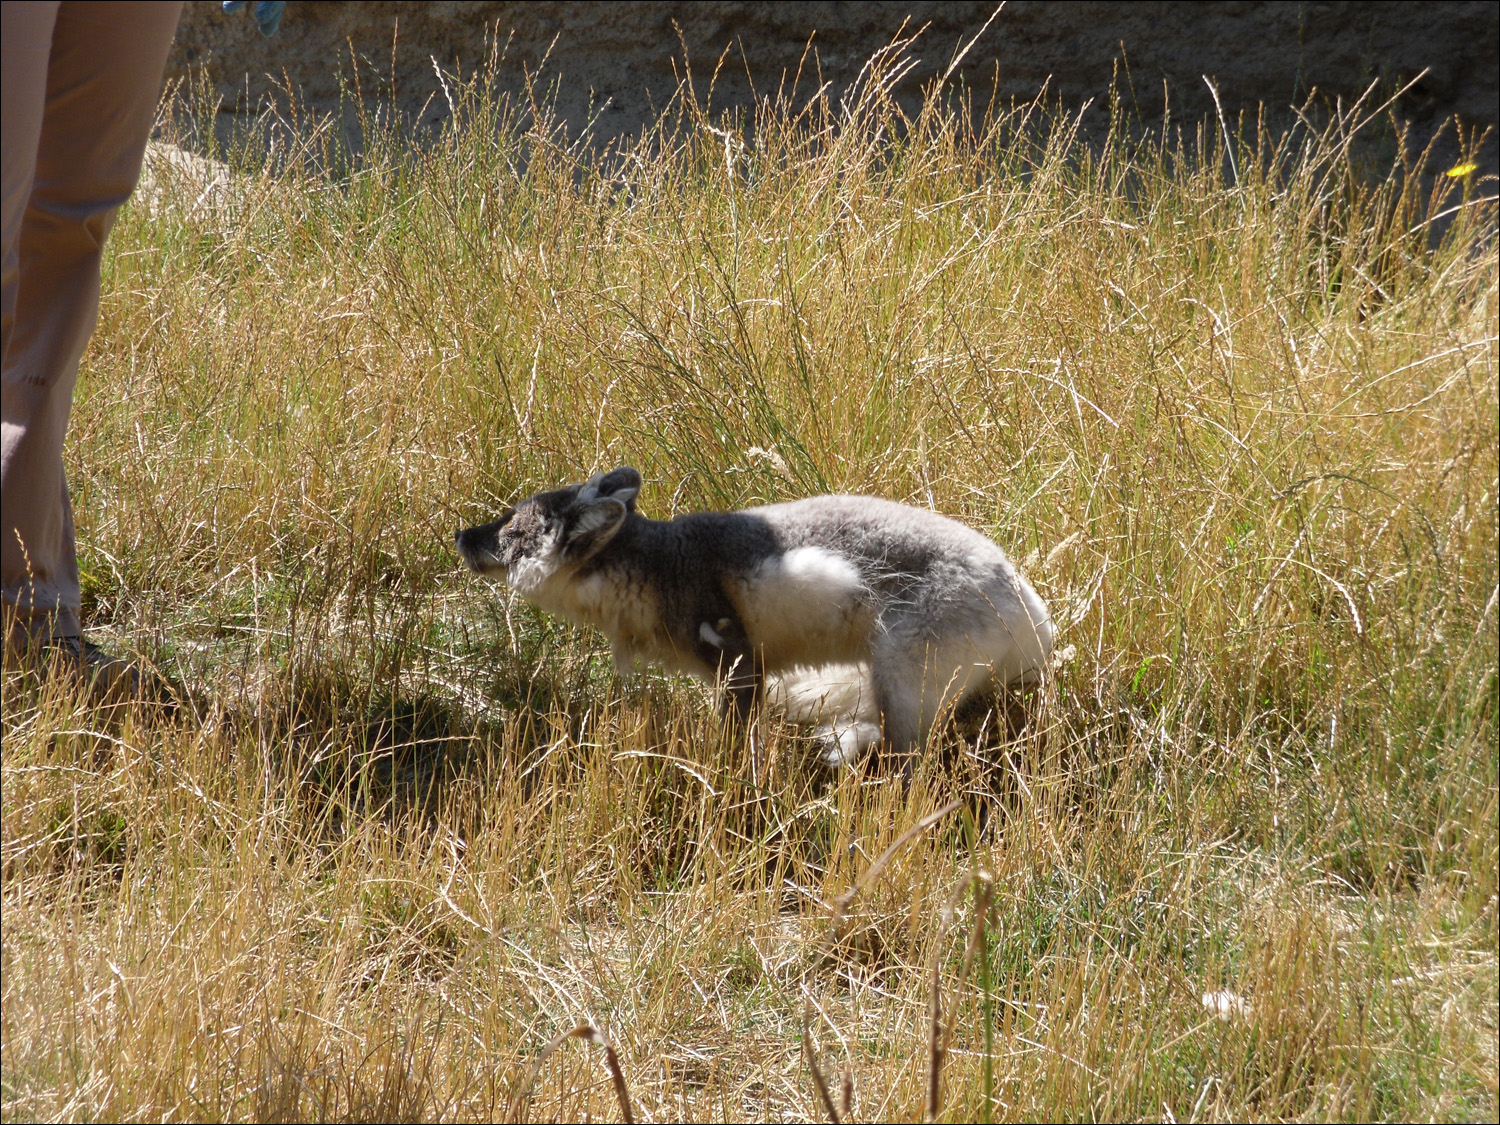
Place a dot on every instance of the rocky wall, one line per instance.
(620, 62)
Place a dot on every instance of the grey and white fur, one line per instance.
(865, 616)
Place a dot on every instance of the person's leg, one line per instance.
(25, 47)
(102, 82)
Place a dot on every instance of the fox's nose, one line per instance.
(470, 543)
(473, 542)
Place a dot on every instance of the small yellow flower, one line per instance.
(1459, 171)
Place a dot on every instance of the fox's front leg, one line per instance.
(741, 676)
(738, 668)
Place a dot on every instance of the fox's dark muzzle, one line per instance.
(479, 546)
(472, 539)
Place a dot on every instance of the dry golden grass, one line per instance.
(1231, 400)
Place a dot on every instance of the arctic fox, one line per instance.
(864, 615)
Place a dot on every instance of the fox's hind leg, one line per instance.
(896, 674)
(915, 678)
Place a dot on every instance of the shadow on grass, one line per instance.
(347, 749)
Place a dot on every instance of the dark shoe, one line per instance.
(109, 678)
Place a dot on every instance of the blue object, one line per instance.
(267, 14)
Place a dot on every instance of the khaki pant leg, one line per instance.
(100, 88)
(25, 48)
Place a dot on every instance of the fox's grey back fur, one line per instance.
(918, 610)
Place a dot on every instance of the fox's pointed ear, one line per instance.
(592, 525)
(622, 484)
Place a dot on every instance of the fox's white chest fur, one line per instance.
(626, 612)
(864, 616)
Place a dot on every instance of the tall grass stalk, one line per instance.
(1241, 430)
